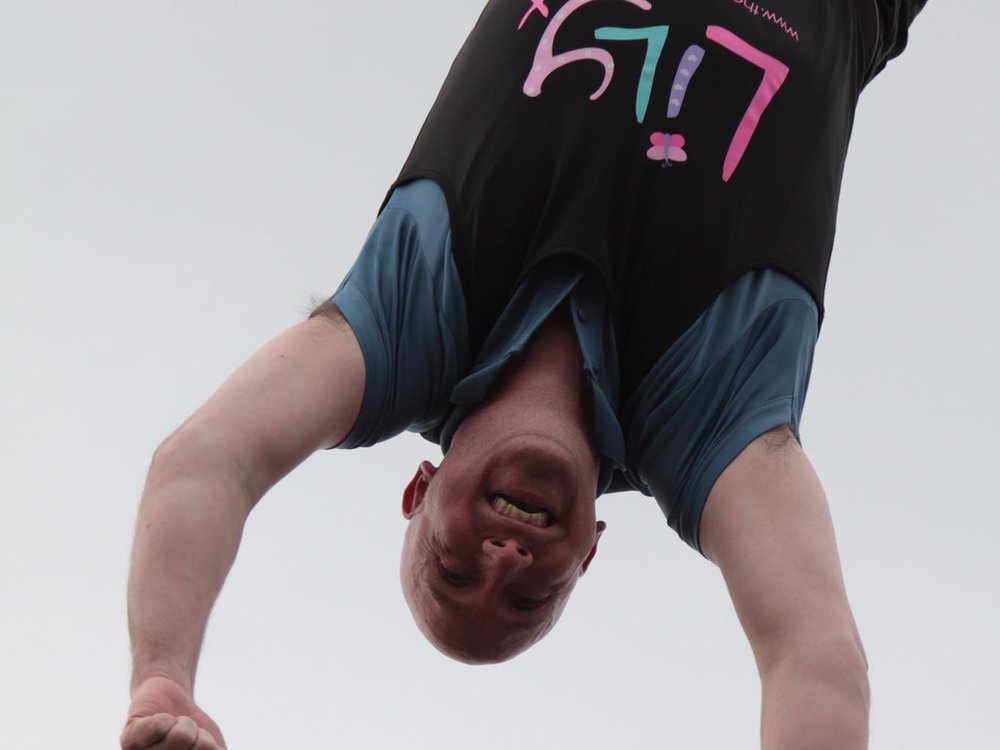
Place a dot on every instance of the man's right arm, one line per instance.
(301, 392)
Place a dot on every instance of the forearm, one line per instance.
(190, 522)
(302, 391)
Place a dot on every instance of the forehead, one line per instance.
(473, 638)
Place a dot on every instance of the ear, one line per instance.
(413, 495)
(601, 526)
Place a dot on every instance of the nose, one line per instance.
(507, 553)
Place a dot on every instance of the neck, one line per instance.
(542, 391)
(548, 375)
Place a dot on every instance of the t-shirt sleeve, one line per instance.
(404, 302)
(887, 27)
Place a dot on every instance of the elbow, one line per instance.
(202, 460)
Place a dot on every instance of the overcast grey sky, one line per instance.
(177, 179)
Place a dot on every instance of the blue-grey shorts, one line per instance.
(740, 370)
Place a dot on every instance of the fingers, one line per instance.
(205, 741)
(189, 732)
(165, 732)
(144, 732)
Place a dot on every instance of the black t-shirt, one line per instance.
(674, 144)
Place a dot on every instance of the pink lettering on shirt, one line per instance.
(775, 73)
(546, 62)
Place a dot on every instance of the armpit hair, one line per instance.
(778, 437)
(327, 309)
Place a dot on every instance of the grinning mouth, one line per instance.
(521, 511)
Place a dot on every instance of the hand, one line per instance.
(163, 716)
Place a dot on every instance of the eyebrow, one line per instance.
(446, 601)
(449, 603)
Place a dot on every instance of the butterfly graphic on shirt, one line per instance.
(667, 148)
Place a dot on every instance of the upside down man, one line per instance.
(602, 267)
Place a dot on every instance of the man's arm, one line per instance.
(301, 392)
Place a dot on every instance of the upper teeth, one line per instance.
(511, 510)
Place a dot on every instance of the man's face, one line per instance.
(498, 537)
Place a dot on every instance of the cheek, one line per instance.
(456, 530)
(412, 542)
(585, 531)
(557, 567)
(409, 565)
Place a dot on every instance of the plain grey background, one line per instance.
(177, 179)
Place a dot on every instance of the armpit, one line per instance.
(330, 311)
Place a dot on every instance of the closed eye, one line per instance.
(451, 577)
(524, 603)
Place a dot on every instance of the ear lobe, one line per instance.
(601, 526)
(413, 495)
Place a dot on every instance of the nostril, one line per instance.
(496, 543)
(522, 551)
